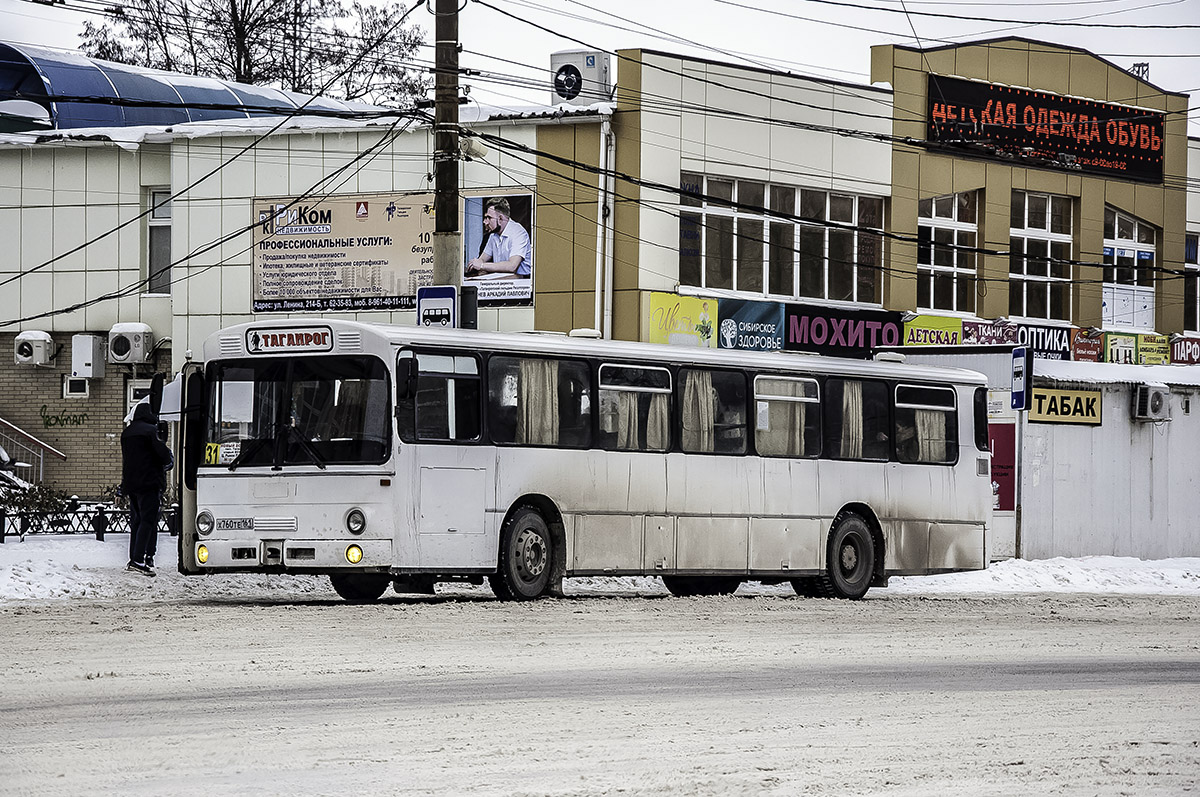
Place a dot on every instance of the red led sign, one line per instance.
(1042, 129)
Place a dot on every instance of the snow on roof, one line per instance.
(132, 137)
(1115, 373)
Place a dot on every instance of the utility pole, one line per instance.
(447, 239)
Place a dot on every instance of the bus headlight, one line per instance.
(204, 522)
(354, 554)
(201, 553)
(356, 521)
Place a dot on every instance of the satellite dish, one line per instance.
(568, 81)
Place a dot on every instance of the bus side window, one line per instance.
(539, 402)
(446, 403)
(712, 411)
(856, 419)
(980, 414)
(926, 424)
(787, 417)
(635, 408)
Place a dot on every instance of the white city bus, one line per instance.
(386, 455)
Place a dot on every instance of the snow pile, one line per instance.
(79, 567)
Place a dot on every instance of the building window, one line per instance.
(158, 254)
(1129, 269)
(1191, 283)
(947, 234)
(1039, 268)
(836, 256)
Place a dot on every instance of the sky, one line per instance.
(66, 567)
(513, 39)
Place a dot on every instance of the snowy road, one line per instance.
(901, 694)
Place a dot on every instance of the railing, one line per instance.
(98, 521)
(25, 448)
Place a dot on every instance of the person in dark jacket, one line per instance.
(145, 460)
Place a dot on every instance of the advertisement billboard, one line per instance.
(1010, 123)
(344, 253)
(498, 253)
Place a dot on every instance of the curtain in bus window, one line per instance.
(627, 420)
(931, 435)
(658, 423)
(784, 435)
(852, 420)
(698, 417)
(537, 407)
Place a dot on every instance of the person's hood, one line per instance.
(143, 412)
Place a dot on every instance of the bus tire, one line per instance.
(526, 557)
(359, 587)
(850, 558)
(692, 586)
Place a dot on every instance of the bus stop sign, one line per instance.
(437, 306)
(1022, 377)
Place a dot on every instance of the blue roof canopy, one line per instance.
(122, 96)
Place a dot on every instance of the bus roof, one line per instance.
(287, 336)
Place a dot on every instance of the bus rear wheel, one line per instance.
(359, 587)
(850, 559)
(526, 557)
(692, 586)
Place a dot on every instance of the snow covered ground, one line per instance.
(48, 567)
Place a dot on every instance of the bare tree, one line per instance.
(356, 51)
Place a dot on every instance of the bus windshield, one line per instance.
(297, 412)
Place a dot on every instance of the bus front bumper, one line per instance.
(300, 555)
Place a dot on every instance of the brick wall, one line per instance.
(87, 430)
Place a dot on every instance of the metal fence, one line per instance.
(98, 521)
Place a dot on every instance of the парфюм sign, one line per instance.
(1012, 123)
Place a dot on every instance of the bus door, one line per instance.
(190, 442)
(452, 476)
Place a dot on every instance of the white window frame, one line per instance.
(706, 210)
(960, 250)
(157, 219)
(1023, 281)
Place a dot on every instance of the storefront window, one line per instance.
(1040, 249)
(1191, 281)
(1129, 271)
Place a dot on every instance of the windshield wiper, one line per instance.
(250, 450)
(307, 447)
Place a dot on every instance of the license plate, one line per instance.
(235, 524)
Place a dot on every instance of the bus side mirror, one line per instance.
(406, 378)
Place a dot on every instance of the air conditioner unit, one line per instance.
(1151, 402)
(87, 356)
(130, 343)
(33, 348)
(581, 77)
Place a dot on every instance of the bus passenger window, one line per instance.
(713, 411)
(856, 419)
(537, 402)
(787, 417)
(635, 408)
(926, 424)
(446, 405)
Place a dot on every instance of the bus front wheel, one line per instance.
(850, 559)
(359, 587)
(526, 557)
